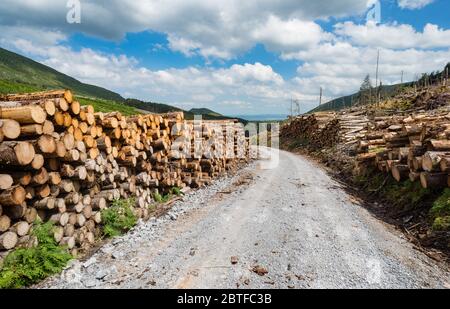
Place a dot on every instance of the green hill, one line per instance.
(354, 99)
(204, 111)
(21, 74)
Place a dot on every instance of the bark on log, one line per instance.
(16, 153)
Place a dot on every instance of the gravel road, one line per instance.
(287, 218)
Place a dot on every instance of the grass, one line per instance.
(159, 198)
(404, 195)
(26, 266)
(440, 212)
(105, 106)
(119, 218)
(7, 86)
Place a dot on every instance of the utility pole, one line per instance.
(320, 97)
(376, 78)
(292, 111)
(402, 78)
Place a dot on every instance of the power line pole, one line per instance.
(376, 78)
(378, 63)
(320, 97)
(402, 78)
(292, 111)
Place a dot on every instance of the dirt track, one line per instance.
(291, 219)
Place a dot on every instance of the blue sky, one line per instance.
(234, 57)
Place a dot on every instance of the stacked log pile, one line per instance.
(327, 129)
(63, 162)
(415, 147)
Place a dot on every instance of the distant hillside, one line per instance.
(204, 111)
(386, 92)
(21, 74)
(153, 107)
(353, 99)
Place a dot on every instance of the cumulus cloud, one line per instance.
(414, 4)
(215, 87)
(220, 29)
(394, 36)
(336, 60)
(340, 67)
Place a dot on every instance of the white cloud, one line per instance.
(394, 36)
(294, 34)
(219, 29)
(215, 87)
(339, 68)
(413, 4)
(337, 61)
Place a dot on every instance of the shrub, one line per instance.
(440, 212)
(119, 218)
(26, 266)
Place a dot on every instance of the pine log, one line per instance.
(8, 240)
(24, 115)
(10, 128)
(433, 180)
(5, 223)
(431, 160)
(12, 196)
(52, 94)
(16, 153)
(6, 181)
(38, 161)
(400, 171)
(21, 228)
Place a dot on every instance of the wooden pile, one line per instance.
(415, 147)
(327, 129)
(64, 162)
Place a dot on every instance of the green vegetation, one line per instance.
(22, 74)
(7, 86)
(119, 217)
(159, 198)
(160, 108)
(205, 112)
(101, 105)
(440, 212)
(152, 107)
(26, 266)
(404, 195)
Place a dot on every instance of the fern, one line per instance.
(118, 218)
(26, 266)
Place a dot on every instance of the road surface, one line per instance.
(286, 217)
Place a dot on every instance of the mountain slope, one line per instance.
(353, 99)
(205, 111)
(18, 73)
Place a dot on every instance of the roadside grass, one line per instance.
(440, 212)
(160, 198)
(26, 266)
(405, 195)
(119, 217)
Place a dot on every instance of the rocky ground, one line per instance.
(279, 223)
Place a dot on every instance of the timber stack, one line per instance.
(65, 163)
(327, 129)
(415, 147)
